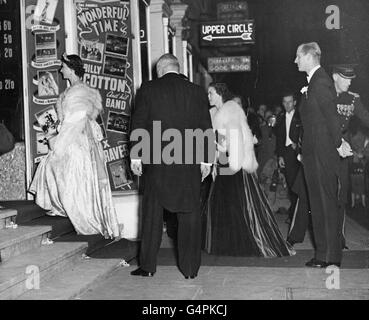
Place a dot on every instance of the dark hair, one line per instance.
(243, 101)
(221, 89)
(74, 62)
(289, 93)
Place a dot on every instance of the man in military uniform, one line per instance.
(348, 105)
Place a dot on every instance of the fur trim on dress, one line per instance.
(230, 120)
(80, 97)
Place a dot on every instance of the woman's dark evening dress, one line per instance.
(239, 219)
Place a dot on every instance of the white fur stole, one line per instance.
(231, 122)
(80, 97)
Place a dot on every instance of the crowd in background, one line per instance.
(263, 120)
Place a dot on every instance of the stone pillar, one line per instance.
(184, 58)
(159, 9)
(190, 67)
(179, 10)
(70, 18)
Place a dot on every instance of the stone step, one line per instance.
(14, 242)
(60, 226)
(95, 241)
(7, 216)
(27, 210)
(84, 275)
(74, 281)
(22, 273)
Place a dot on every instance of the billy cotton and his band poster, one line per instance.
(104, 42)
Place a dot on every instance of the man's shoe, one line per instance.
(191, 277)
(143, 273)
(315, 263)
(337, 264)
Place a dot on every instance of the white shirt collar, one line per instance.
(171, 72)
(311, 73)
(291, 113)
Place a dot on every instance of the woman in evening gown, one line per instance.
(239, 219)
(72, 180)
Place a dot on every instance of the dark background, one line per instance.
(281, 25)
(11, 104)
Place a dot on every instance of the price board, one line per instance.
(10, 65)
(9, 49)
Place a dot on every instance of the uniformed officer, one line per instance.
(348, 105)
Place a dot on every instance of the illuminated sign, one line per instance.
(229, 64)
(223, 33)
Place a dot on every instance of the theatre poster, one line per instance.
(105, 46)
(45, 43)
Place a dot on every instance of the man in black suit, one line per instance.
(166, 108)
(288, 131)
(348, 105)
(322, 146)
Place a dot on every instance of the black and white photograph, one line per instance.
(120, 173)
(43, 55)
(42, 146)
(186, 155)
(45, 40)
(115, 66)
(45, 46)
(48, 121)
(45, 11)
(48, 83)
(91, 51)
(116, 44)
(118, 122)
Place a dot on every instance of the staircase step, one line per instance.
(7, 215)
(73, 282)
(48, 260)
(27, 210)
(95, 241)
(60, 226)
(14, 242)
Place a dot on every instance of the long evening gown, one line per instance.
(72, 180)
(239, 219)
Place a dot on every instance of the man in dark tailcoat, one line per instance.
(288, 131)
(322, 147)
(348, 105)
(164, 108)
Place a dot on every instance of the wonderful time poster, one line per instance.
(104, 38)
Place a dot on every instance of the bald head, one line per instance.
(167, 63)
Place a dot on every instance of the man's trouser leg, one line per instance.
(189, 242)
(152, 230)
